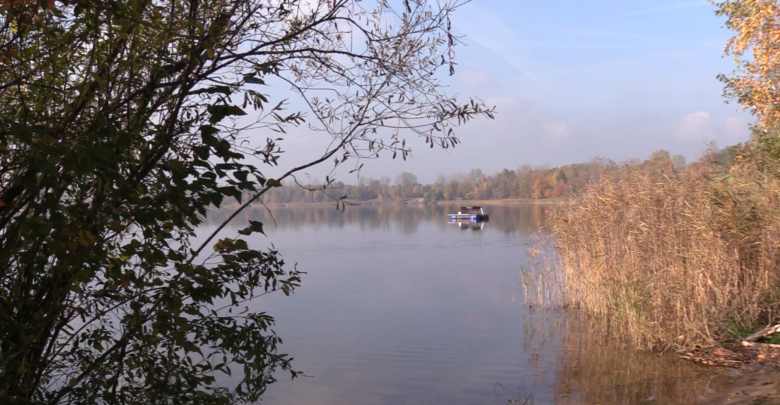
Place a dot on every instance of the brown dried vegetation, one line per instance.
(670, 258)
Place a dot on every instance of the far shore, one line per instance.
(413, 201)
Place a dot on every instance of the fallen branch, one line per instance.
(751, 344)
(763, 332)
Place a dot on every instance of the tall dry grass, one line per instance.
(669, 258)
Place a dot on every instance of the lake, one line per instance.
(401, 307)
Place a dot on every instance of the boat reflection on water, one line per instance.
(466, 225)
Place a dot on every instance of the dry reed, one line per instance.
(671, 259)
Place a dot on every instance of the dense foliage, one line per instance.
(123, 122)
(755, 81)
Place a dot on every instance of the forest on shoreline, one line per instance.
(526, 182)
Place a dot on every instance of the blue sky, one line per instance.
(573, 80)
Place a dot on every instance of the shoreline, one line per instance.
(749, 385)
(415, 201)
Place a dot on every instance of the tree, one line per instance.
(678, 161)
(405, 182)
(755, 82)
(523, 169)
(123, 123)
(660, 156)
(449, 191)
(384, 183)
(475, 176)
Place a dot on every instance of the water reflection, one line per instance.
(473, 226)
(590, 367)
(401, 307)
(506, 219)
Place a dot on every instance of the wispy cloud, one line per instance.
(670, 7)
(695, 126)
(473, 80)
(489, 32)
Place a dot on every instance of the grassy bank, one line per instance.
(669, 257)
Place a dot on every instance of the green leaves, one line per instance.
(111, 118)
(254, 226)
(219, 112)
(252, 78)
(218, 90)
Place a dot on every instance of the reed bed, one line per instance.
(670, 258)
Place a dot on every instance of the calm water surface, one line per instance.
(401, 307)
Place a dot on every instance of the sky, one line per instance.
(573, 80)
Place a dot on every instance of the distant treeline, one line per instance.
(540, 182)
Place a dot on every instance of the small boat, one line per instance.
(473, 214)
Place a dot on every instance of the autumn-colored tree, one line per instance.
(525, 182)
(755, 82)
(405, 183)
